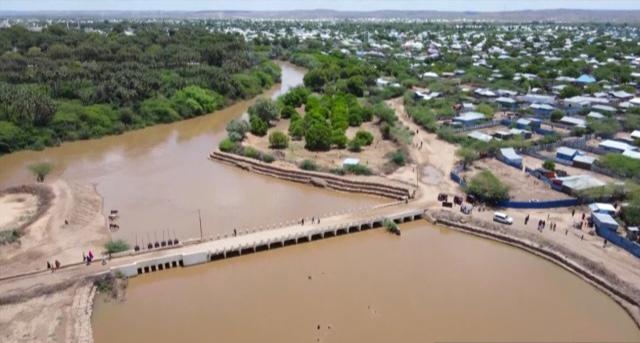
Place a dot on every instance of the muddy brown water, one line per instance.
(429, 285)
(158, 178)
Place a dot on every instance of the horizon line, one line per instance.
(327, 9)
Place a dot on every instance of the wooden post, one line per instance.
(200, 220)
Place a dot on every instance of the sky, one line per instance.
(345, 5)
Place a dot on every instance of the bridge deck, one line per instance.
(199, 252)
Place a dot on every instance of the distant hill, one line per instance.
(556, 15)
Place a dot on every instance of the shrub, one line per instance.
(116, 246)
(8, 236)
(488, 188)
(288, 112)
(365, 138)
(556, 115)
(258, 126)
(621, 165)
(40, 170)
(339, 139)
(268, 158)
(318, 136)
(391, 226)
(251, 153)
(357, 169)
(237, 129)
(355, 145)
(308, 165)
(278, 140)
(265, 109)
(296, 129)
(227, 145)
(549, 165)
(398, 158)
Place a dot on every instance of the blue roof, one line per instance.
(584, 78)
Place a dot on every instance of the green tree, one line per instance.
(556, 115)
(569, 91)
(549, 165)
(488, 188)
(237, 129)
(318, 136)
(486, 109)
(605, 128)
(365, 137)
(315, 79)
(296, 128)
(467, 155)
(258, 126)
(265, 109)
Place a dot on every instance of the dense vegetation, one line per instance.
(66, 84)
(487, 188)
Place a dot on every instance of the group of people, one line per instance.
(314, 220)
(88, 258)
(53, 266)
(542, 224)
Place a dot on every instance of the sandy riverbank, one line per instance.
(63, 315)
(49, 238)
(62, 311)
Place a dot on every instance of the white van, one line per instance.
(502, 218)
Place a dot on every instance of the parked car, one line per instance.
(502, 218)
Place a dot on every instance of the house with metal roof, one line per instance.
(595, 115)
(577, 183)
(573, 121)
(566, 154)
(538, 99)
(481, 136)
(615, 146)
(600, 207)
(632, 154)
(604, 221)
(584, 161)
(510, 156)
(585, 79)
(508, 104)
(469, 118)
(604, 108)
(542, 110)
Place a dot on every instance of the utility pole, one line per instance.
(200, 220)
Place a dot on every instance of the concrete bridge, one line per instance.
(261, 241)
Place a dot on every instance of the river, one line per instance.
(159, 177)
(431, 284)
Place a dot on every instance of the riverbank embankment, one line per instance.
(317, 179)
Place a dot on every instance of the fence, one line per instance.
(532, 204)
(477, 127)
(620, 241)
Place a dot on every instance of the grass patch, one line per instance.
(116, 246)
(9, 236)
